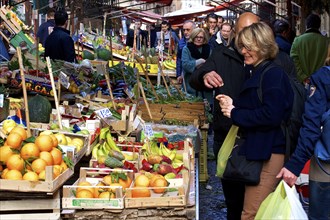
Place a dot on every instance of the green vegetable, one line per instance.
(87, 55)
(104, 54)
(39, 109)
(113, 162)
(116, 154)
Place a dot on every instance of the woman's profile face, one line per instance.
(199, 39)
(251, 57)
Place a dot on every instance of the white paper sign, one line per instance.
(64, 80)
(1, 100)
(136, 122)
(104, 113)
(148, 131)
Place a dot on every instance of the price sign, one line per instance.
(64, 80)
(104, 113)
(148, 131)
(1, 100)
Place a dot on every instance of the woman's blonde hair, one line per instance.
(327, 60)
(258, 37)
(194, 34)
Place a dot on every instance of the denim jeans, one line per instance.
(319, 200)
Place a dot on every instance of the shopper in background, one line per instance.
(220, 21)
(308, 50)
(282, 34)
(259, 121)
(194, 55)
(316, 105)
(140, 38)
(59, 44)
(188, 27)
(167, 37)
(211, 26)
(223, 36)
(47, 27)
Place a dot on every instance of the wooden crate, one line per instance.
(69, 201)
(10, 24)
(49, 185)
(30, 205)
(203, 175)
(168, 199)
(191, 113)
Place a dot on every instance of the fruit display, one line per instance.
(169, 64)
(25, 158)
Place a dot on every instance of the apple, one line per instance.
(8, 125)
(61, 139)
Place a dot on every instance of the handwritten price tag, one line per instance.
(1, 100)
(64, 80)
(148, 131)
(104, 113)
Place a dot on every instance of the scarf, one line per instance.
(196, 54)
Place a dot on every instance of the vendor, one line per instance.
(167, 37)
(141, 36)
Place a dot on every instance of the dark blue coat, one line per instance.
(182, 42)
(316, 105)
(43, 31)
(260, 122)
(60, 46)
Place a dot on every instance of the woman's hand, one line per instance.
(226, 104)
(287, 176)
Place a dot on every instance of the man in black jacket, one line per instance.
(59, 44)
(224, 72)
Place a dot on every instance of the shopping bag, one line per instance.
(225, 150)
(283, 203)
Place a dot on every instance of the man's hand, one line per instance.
(179, 79)
(287, 176)
(212, 80)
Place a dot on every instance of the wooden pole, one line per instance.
(21, 69)
(145, 99)
(102, 68)
(163, 77)
(104, 23)
(49, 65)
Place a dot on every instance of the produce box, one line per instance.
(175, 195)
(182, 113)
(70, 201)
(49, 185)
(150, 68)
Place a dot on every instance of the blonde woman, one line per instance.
(316, 105)
(259, 122)
(194, 54)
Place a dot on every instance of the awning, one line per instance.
(164, 2)
(187, 11)
(145, 16)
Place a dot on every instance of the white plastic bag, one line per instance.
(283, 203)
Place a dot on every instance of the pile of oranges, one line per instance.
(99, 191)
(27, 161)
(143, 182)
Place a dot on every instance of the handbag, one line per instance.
(283, 203)
(322, 147)
(240, 169)
(225, 150)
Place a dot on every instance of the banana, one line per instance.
(165, 150)
(167, 66)
(94, 151)
(101, 151)
(171, 64)
(179, 157)
(172, 155)
(103, 133)
(111, 142)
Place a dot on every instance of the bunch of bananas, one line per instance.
(15, 103)
(153, 149)
(169, 64)
(106, 143)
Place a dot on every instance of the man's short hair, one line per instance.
(51, 13)
(61, 17)
(212, 15)
(280, 26)
(313, 21)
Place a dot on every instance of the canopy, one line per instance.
(165, 2)
(186, 11)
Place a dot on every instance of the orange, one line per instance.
(142, 180)
(57, 156)
(141, 192)
(14, 140)
(107, 179)
(84, 194)
(85, 183)
(31, 176)
(15, 162)
(13, 175)
(44, 143)
(106, 195)
(5, 153)
(4, 172)
(55, 141)
(125, 183)
(57, 170)
(19, 130)
(64, 166)
(29, 150)
(115, 187)
(154, 177)
(38, 165)
(160, 182)
(46, 156)
(98, 190)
